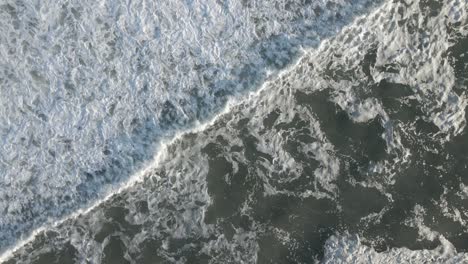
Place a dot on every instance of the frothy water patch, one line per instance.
(349, 249)
(364, 134)
(90, 89)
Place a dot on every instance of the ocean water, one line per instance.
(303, 131)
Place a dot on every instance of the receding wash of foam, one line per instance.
(295, 131)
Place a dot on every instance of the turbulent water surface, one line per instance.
(233, 131)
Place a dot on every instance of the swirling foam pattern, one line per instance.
(330, 130)
(89, 88)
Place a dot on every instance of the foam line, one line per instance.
(138, 177)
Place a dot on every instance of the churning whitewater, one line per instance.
(215, 131)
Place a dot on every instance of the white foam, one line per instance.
(178, 175)
(89, 89)
(349, 249)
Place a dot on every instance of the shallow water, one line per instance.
(250, 132)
